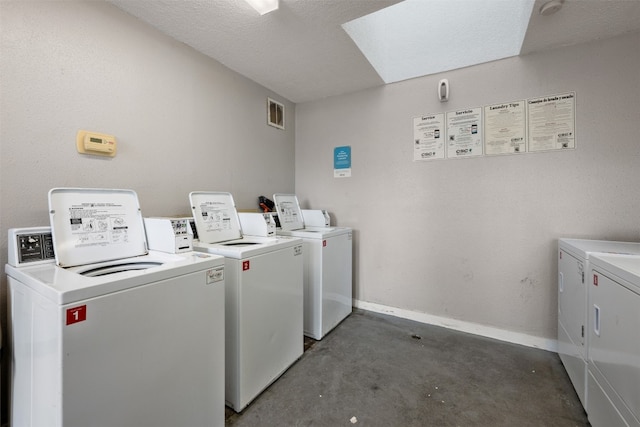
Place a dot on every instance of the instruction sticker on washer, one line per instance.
(288, 213)
(216, 216)
(215, 275)
(98, 224)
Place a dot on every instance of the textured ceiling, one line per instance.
(302, 53)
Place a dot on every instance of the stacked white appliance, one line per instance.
(613, 382)
(328, 254)
(263, 297)
(574, 257)
(105, 332)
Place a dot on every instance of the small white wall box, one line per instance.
(316, 218)
(443, 90)
(257, 224)
(97, 144)
(168, 234)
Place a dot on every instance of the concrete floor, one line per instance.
(379, 370)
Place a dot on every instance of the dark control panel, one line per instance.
(34, 247)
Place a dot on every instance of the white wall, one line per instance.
(470, 243)
(183, 121)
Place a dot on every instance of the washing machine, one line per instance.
(573, 268)
(105, 333)
(613, 381)
(328, 254)
(263, 297)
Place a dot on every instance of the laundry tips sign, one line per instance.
(342, 162)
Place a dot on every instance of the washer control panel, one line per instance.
(29, 246)
(168, 234)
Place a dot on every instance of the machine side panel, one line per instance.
(337, 295)
(572, 313)
(36, 395)
(313, 288)
(232, 324)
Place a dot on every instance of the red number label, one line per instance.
(245, 265)
(76, 314)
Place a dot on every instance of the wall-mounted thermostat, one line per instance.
(98, 144)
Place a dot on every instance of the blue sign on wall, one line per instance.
(342, 161)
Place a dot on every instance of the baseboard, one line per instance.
(458, 325)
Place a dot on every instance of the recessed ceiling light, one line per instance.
(263, 6)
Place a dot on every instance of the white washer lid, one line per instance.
(289, 213)
(215, 216)
(91, 225)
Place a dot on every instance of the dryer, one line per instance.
(613, 382)
(106, 333)
(573, 269)
(328, 252)
(263, 297)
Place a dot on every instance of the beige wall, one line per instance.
(470, 243)
(183, 121)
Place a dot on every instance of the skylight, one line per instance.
(263, 6)
(421, 37)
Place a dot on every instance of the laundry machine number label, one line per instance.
(324, 243)
(595, 280)
(76, 314)
(245, 265)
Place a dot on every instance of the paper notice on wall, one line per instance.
(428, 137)
(342, 162)
(552, 122)
(505, 128)
(464, 133)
